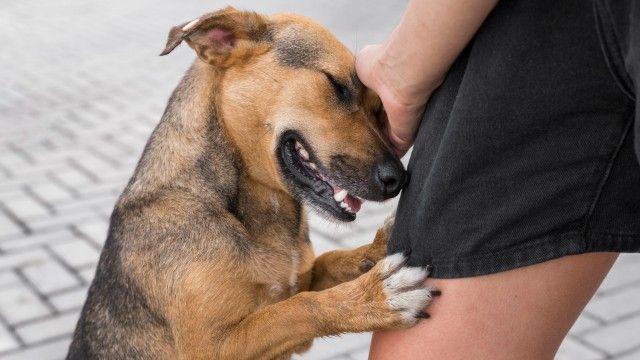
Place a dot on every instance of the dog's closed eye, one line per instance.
(342, 91)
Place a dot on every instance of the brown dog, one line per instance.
(208, 254)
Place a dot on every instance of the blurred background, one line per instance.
(81, 88)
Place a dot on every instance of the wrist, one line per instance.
(402, 72)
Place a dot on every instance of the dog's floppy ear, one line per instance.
(222, 37)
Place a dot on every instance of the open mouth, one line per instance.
(312, 184)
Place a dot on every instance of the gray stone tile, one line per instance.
(72, 177)
(22, 258)
(337, 346)
(8, 227)
(616, 305)
(573, 350)
(25, 208)
(8, 279)
(62, 325)
(584, 323)
(88, 273)
(96, 230)
(51, 192)
(76, 253)
(321, 245)
(617, 337)
(362, 354)
(631, 355)
(32, 240)
(54, 350)
(623, 274)
(18, 303)
(49, 276)
(7, 340)
(69, 300)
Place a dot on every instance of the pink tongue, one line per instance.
(353, 202)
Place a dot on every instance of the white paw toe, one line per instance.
(405, 277)
(412, 301)
(391, 263)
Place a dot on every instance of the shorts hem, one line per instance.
(545, 249)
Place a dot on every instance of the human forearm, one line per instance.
(428, 39)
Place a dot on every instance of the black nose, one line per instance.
(391, 176)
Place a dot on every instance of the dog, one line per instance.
(208, 253)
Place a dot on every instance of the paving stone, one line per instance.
(624, 273)
(631, 355)
(22, 258)
(69, 300)
(7, 340)
(18, 303)
(76, 253)
(617, 337)
(49, 276)
(321, 245)
(336, 346)
(88, 274)
(358, 238)
(574, 350)
(51, 192)
(50, 328)
(54, 350)
(362, 354)
(25, 208)
(63, 219)
(616, 305)
(584, 323)
(8, 278)
(37, 239)
(628, 259)
(72, 177)
(8, 227)
(95, 230)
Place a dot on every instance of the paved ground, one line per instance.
(81, 88)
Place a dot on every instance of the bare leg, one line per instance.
(519, 314)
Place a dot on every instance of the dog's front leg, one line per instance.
(338, 266)
(390, 295)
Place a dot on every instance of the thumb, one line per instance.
(365, 65)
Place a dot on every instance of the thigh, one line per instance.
(519, 314)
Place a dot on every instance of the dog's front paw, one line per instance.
(377, 250)
(405, 290)
(397, 293)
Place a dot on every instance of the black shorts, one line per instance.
(529, 150)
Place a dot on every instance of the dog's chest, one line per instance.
(285, 283)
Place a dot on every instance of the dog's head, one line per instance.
(291, 102)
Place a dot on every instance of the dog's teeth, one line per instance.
(303, 153)
(313, 166)
(344, 205)
(340, 195)
(298, 146)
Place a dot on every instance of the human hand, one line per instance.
(403, 105)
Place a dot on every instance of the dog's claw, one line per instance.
(366, 265)
(436, 292)
(423, 315)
